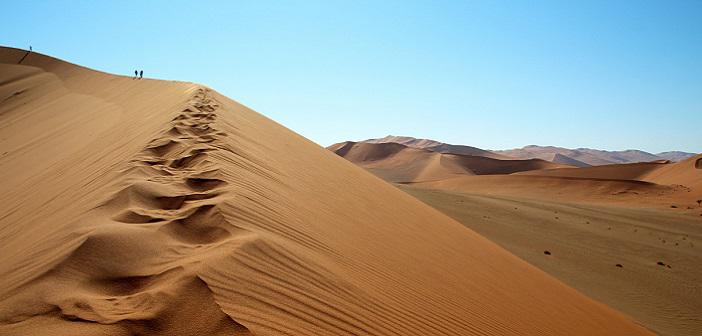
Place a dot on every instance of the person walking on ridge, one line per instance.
(141, 74)
(136, 74)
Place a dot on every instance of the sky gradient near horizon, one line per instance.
(610, 75)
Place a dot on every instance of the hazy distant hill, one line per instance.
(593, 157)
(580, 157)
(675, 155)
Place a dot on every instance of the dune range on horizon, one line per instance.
(577, 157)
(164, 208)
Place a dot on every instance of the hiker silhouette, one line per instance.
(141, 74)
(136, 74)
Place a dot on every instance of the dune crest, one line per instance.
(165, 208)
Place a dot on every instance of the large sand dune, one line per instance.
(150, 207)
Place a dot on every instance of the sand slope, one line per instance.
(631, 171)
(163, 208)
(398, 163)
(687, 172)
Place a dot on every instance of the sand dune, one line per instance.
(164, 208)
(685, 174)
(566, 189)
(436, 146)
(631, 171)
(398, 163)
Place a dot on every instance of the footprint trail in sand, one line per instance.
(170, 204)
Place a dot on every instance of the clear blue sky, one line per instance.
(492, 74)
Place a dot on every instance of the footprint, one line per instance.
(203, 183)
(194, 157)
(161, 148)
(131, 217)
(205, 225)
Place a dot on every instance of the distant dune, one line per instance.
(687, 172)
(629, 171)
(684, 173)
(581, 157)
(402, 164)
(145, 207)
(436, 146)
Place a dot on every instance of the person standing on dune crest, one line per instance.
(136, 74)
(141, 74)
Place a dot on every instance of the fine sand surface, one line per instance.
(587, 241)
(133, 207)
